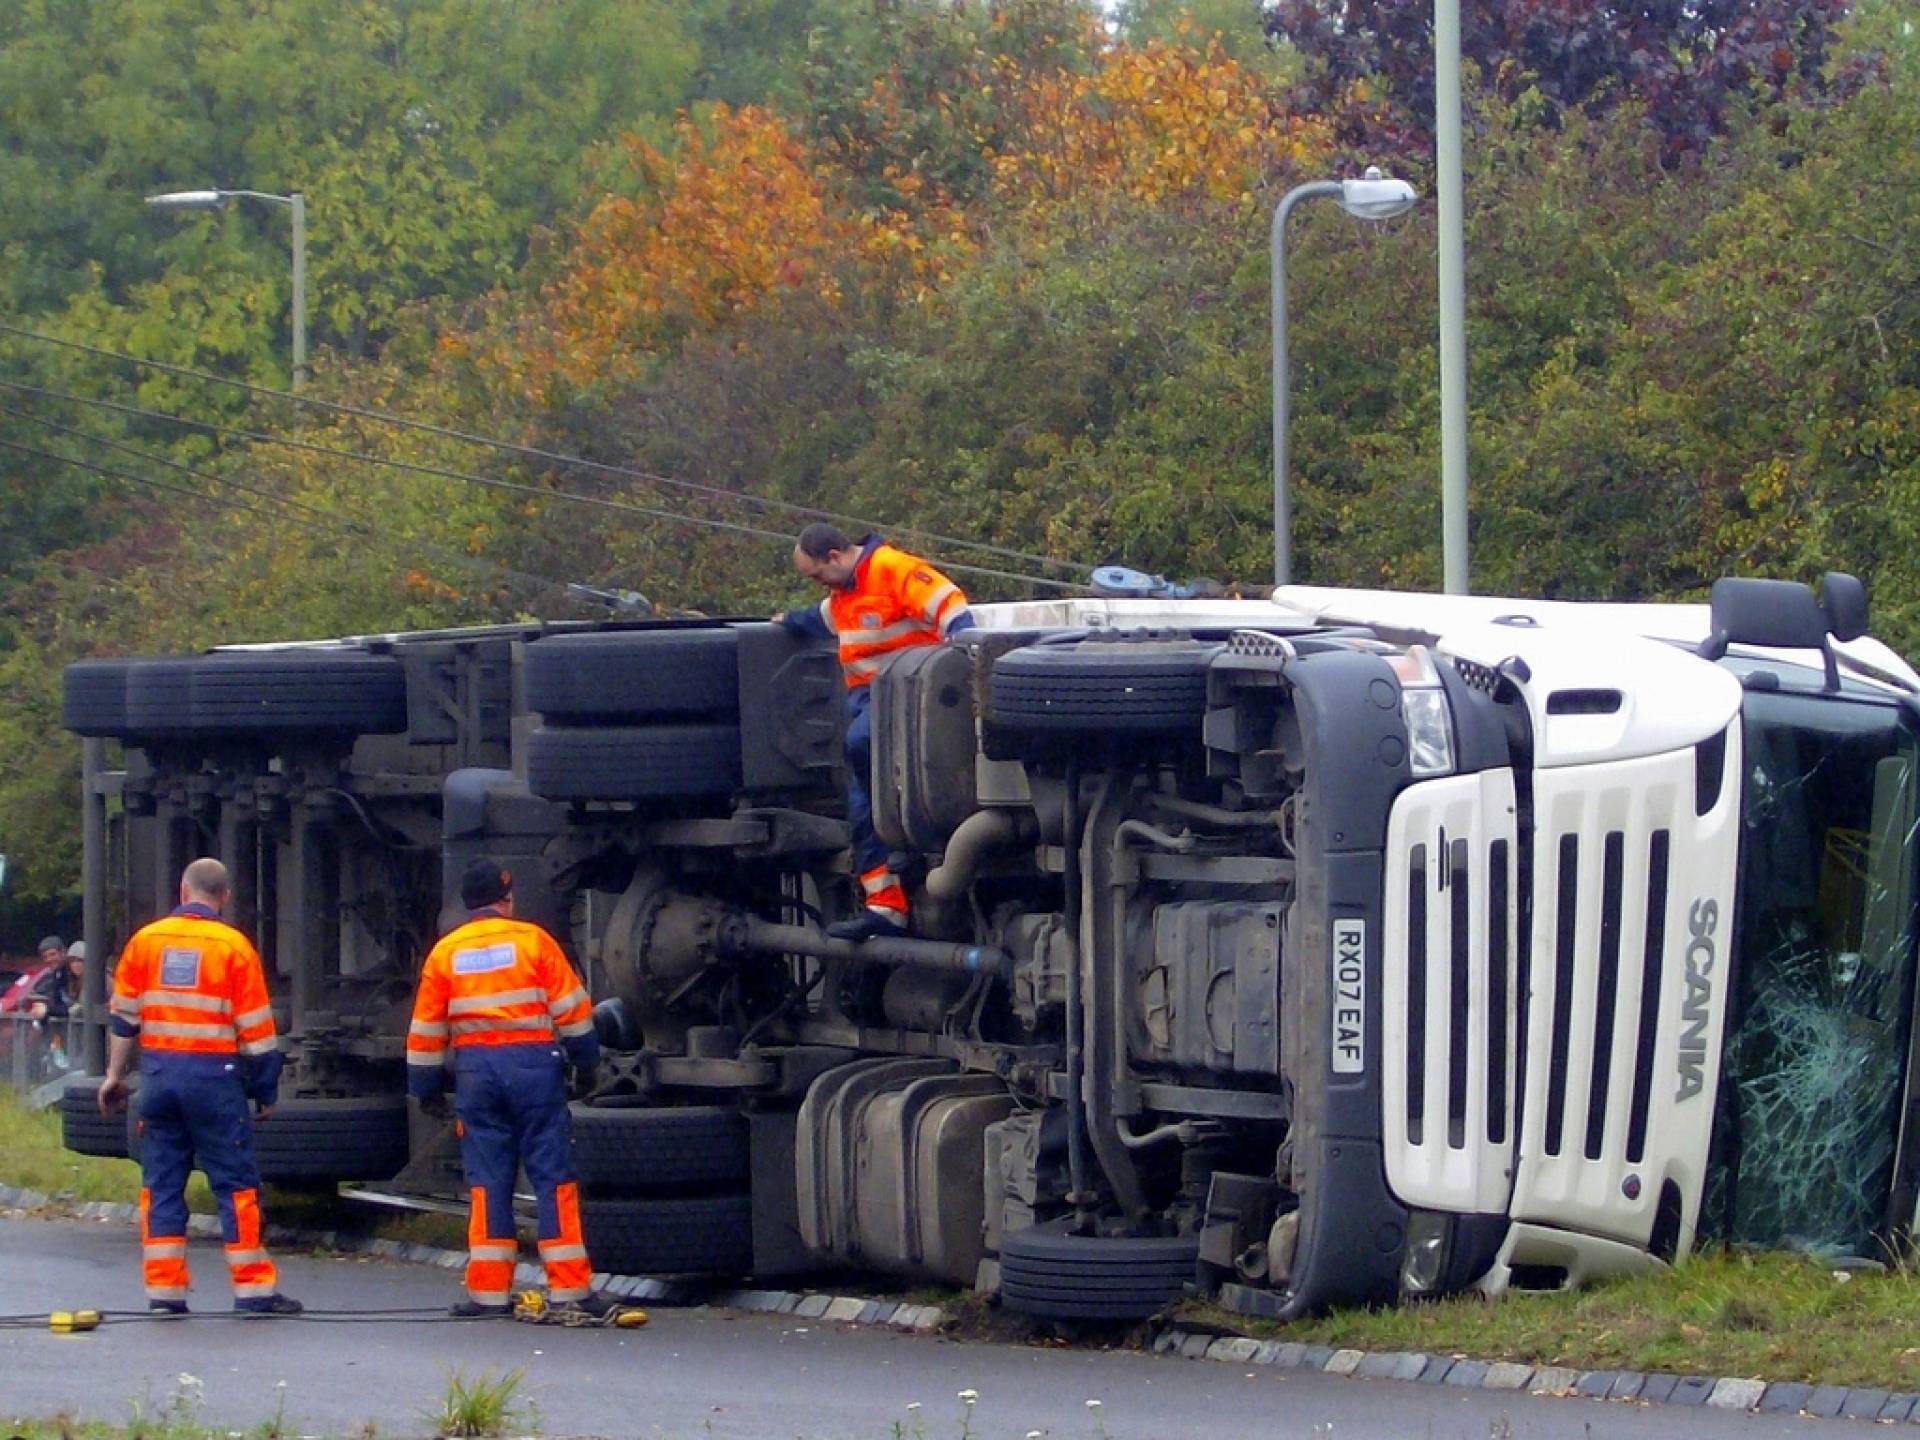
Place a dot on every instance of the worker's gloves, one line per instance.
(260, 1078)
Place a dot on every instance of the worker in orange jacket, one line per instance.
(498, 993)
(191, 994)
(880, 601)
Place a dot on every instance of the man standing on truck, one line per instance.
(500, 993)
(190, 992)
(880, 601)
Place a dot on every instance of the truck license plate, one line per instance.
(1349, 997)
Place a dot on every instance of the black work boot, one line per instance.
(867, 925)
(274, 1304)
(597, 1304)
(167, 1307)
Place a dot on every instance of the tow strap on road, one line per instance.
(534, 1308)
(83, 1320)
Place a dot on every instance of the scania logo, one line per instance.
(1702, 920)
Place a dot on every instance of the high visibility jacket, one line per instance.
(192, 984)
(497, 981)
(892, 602)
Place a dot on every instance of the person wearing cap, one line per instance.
(55, 996)
(191, 994)
(498, 995)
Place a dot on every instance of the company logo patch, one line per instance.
(180, 968)
(869, 621)
(483, 958)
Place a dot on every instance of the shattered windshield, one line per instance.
(1817, 1036)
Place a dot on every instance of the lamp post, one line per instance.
(1453, 295)
(297, 203)
(1373, 197)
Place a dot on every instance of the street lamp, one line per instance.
(297, 203)
(1373, 197)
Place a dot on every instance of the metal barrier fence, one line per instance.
(37, 1056)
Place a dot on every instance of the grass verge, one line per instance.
(32, 1157)
(1770, 1316)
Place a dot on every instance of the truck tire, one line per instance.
(1047, 1272)
(160, 698)
(83, 1129)
(617, 676)
(1098, 687)
(657, 762)
(710, 1235)
(93, 698)
(314, 692)
(322, 1142)
(636, 1151)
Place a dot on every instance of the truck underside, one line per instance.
(1270, 956)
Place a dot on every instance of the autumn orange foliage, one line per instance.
(740, 209)
(1156, 123)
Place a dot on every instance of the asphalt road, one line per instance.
(694, 1374)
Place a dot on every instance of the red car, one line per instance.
(13, 995)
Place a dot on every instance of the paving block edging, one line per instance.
(1726, 1392)
(844, 1309)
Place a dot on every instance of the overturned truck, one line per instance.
(1329, 950)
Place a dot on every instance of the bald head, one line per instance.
(205, 882)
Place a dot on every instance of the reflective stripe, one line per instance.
(166, 1292)
(180, 1030)
(505, 1022)
(127, 1006)
(934, 601)
(493, 1249)
(948, 620)
(238, 1256)
(872, 665)
(826, 614)
(188, 1000)
(913, 624)
(566, 1002)
(562, 1250)
(253, 1017)
(568, 1295)
(577, 1028)
(895, 913)
(428, 1059)
(488, 1297)
(164, 1249)
(428, 1029)
(466, 1004)
(877, 880)
(255, 1047)
(253, 1292)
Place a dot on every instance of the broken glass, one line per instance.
(1822, 977)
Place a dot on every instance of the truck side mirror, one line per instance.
(1778, 613)
(1843, 600)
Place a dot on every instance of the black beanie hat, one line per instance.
(484, 882)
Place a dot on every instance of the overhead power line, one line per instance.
(278, 507)
(558, 458)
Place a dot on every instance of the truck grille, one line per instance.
(1448, 992)
(1621, 853)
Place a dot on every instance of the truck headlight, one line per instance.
(1429, 1238)
(1423, 709)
